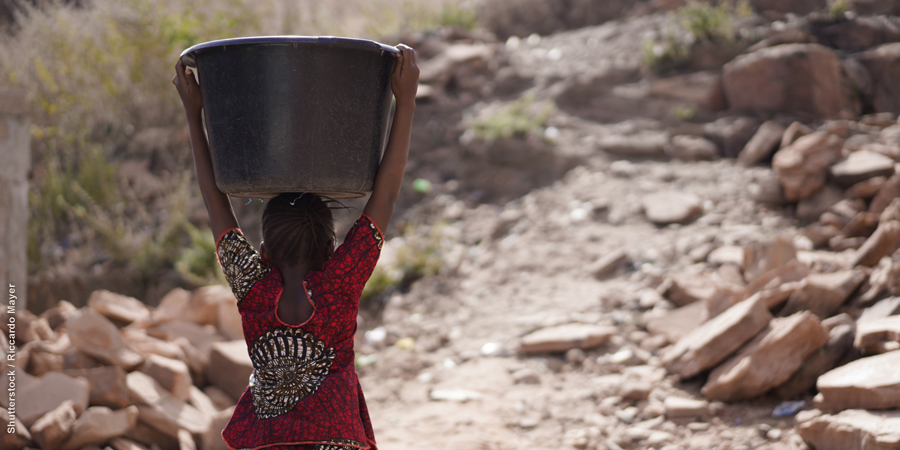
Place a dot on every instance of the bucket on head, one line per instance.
(295, 113)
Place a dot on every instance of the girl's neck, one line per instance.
(295, 272)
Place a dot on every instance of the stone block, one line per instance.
(868, 383)
(767, 361)
(713, 341)
(230, 367)
(565, 337)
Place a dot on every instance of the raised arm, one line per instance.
(404, 81)
(221, 215)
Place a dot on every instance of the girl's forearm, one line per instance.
(221, 215)
(380, 206)
(393, 163)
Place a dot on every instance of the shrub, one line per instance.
(707, 22)
(522, 118)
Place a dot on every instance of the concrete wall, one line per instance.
(15, 161)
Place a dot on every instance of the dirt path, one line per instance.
(534, 275)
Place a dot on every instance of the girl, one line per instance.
(298, 296)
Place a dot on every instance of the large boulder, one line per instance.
(793, 78)
(883, 65)
(802, 166)
(713, 341)
(854, 429)
(867, 383)
(860, 33)
(767, 361)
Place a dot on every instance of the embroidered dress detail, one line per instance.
(289, 364)
(241, 263)
(376, 234)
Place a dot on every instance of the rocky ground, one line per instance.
(624, 278)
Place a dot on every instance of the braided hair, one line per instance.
(298, 227)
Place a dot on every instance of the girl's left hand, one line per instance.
(405, 78)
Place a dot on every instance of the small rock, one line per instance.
(219, 397)
(763, 143)
(878, 335)
(801, 166)
(171, 414)
(678, 407)
(627, 415)
(45, 394)
(867, 383)
(676, 324)
(171, 306)
(95, 335)
(715, 340)
(884, 241)
(170, 373)
(692, 148)
(853, 429)
(840, 341)
(454, 395)
(230, 367)
(635, 390)
(608, 263)
(884, 308)
(727, 254)
(663, 208)
(107, 383)
(824, 293)
(98, 424)
(564, 337)
(212, 439)
(526, 376)
(151, 437)
(54, 428)
(575, 356)
(795, 131)
(644, 143)
(861, 166)
(120, 443)
(118, 307)
(767, 255)
(578, 438)
(768, 360)
(144, 390)
(731, 134)
(198, 399)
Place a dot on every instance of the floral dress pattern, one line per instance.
(304, 392)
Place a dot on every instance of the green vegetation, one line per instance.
(837, 9)
(708, 24)
(100, 75)
(667, 55)
(198, 261)
(421, 251)
(684, 113)
(523, 117)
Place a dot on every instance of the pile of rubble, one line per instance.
(119, 373)
(792, 312)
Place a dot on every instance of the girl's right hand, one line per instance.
(405, 78)
(188, 89)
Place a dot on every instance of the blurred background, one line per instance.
(589, 182)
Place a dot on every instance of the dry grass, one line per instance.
(99, 77)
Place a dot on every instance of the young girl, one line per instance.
(298, 296)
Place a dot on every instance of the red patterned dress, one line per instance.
(304, 392)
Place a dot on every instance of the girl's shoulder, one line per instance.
(242, 264)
